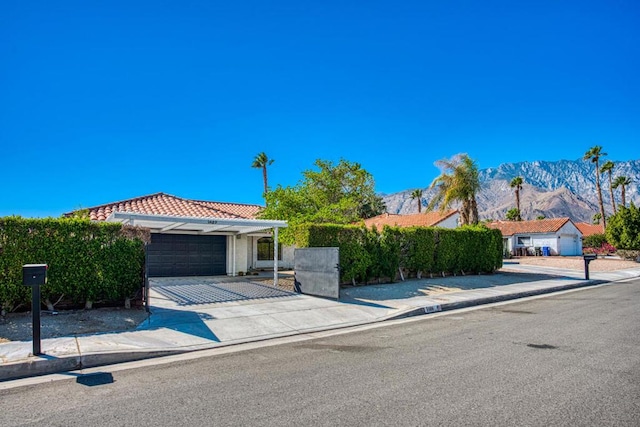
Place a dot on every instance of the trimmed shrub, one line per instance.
(594, 241)
(367, 255)
(418, 249)
(88, 262)
(354, 258)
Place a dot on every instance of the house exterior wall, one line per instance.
(537, 240)
(241, 243)
(570, 240)
(287, 256)
(451, 222)
(566, 242)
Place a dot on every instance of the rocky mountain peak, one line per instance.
(551, 188)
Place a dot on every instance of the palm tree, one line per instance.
(595, 219)
(608, 167)
(594, 154)
(516, 184)
(459, 182)
(417, 194)
(622, 181)
(262, 161)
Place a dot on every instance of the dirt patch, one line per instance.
(577, 263)
(17, 326)
(286, 283)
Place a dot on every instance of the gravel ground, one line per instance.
(65, 323)
(577, 263)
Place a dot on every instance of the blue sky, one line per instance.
(104, 101)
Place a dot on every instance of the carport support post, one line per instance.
(275, 256)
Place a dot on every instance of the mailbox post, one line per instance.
(587, 259)
(35, 275)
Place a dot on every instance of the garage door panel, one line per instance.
(187, 255)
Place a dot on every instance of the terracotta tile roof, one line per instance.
(589, 229)
(427, 219)
(509, 228)
(166, 204)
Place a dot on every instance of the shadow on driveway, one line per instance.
(184, 321)
(433, 286)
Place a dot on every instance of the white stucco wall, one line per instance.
(451, 222)
(240, 262)
(537, 240)
(287, 256)
(570, 242)
(567, 241)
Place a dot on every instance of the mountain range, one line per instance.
(564, 188)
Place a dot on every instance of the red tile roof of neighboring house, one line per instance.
(166, 204)
(509, 228)
(427, 219)
(589, 229)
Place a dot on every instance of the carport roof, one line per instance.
(164, 223)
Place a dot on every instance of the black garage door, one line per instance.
(187, 255)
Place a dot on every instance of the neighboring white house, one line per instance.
(560, 235)
(448, 219)
(200, 238)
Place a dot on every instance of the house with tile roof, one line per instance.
(448, 219)
(200, 238)
(589, 229)
(559, 235)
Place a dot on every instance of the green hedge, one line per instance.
(87, 261)
(369, 254)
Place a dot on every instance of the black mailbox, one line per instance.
(587, 259)
(34, 274)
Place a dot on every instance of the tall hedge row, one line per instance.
(369, 254)
(87, 261)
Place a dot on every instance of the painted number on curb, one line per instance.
(432, 308)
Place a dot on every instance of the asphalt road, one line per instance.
(570, 359)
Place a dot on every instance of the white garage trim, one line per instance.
(204, 226)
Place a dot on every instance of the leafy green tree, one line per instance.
(513, 215)
(516, 184)
(261, 161)
(607, 167)
(459, 182)
(594, 154)
(623, 182)
(541, 217)
(341, 193)
(623, 231)
(417, 194)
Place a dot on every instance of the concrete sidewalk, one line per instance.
(177, 328)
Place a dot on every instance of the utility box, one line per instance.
(34, 274)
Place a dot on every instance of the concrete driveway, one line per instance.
(175, 292)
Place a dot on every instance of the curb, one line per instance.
(421, 311)
(51, 365)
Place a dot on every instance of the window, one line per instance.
(524, 240)
(266, 249)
